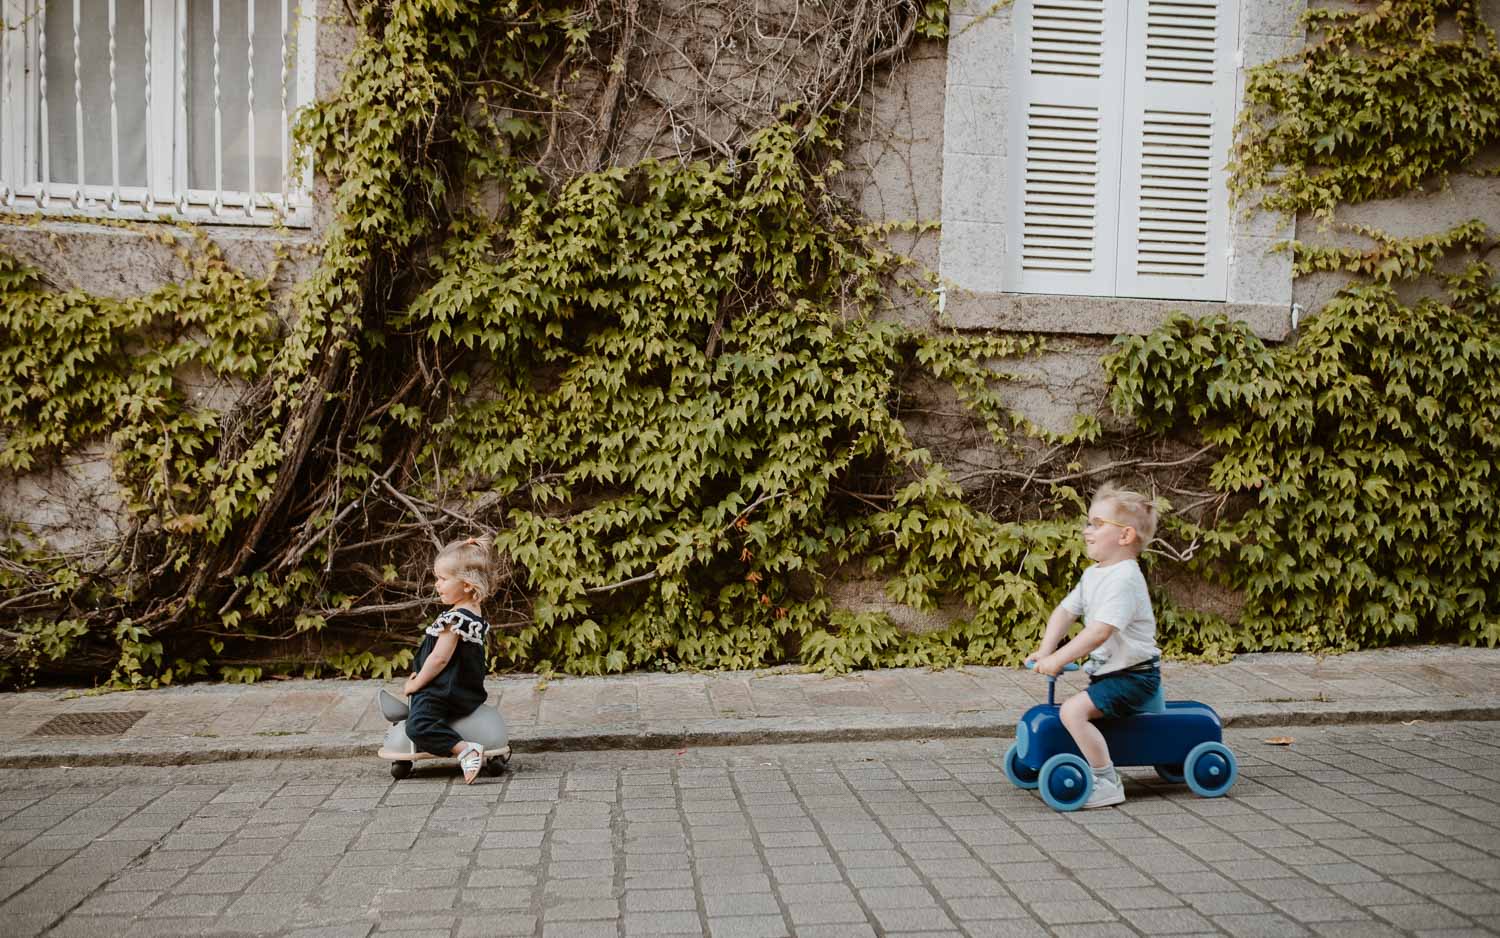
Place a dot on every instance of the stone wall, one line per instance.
(926, 146)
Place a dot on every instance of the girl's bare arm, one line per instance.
(442, 653)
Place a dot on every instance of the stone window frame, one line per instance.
(975, 220)
(169, 119)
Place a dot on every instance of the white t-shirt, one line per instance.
(1116, 594)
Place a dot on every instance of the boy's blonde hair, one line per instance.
(472, 560)
(1134, 509)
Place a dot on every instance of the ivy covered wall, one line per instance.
(690, 386)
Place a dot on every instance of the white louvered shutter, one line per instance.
(1065, 147)
(1178, 114)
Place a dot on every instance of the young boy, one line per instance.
(1119, 632)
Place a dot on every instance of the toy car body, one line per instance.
(484, 726)
(1182, 739)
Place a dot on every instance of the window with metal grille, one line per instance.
(1121, 116)
(155, 109)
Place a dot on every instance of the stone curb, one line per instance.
(187, 750)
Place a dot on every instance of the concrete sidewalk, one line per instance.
(331, 718)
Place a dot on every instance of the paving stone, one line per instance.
(660, 900)
(808, 874)
(579, 930)
(1425, 915)
(742, 904)
(1472, 904)
(1224, 903)
(213, 882)
(647, 925)
(495, 898)
(1138, 897)
(1260, 926)
(1009, 928)
(986, 907)
(840, 930)
(748, 926)
(824, 913)
(116, 903)
(1384, 893)
(915, 919)
(581, 889)
(486, 925)
(895, 897)
(1180, 920)
(189, 905)
(886, 876)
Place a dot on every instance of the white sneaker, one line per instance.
(1105, 793)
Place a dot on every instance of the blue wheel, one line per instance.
(1066, 782)
(1169, 773)
(1019, 774)
(1209, 769)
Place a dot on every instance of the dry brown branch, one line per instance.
(416, 512)
(297, 552)
(617, 74)
(1108, 467)
(376, 609)
(304, 432)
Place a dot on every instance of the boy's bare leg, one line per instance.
(1078, 714)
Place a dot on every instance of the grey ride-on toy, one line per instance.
(1182, 739)
(484, 726)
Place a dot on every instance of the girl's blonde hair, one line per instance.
(1134, 508)
(472, 560)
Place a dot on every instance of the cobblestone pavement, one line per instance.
(1366, 831)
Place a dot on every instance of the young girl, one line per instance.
(449, 679)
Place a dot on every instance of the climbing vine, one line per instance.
(1377, 103)
(1367, 450)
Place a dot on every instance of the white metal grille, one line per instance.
(144, 109)
(1176, 168)
(1067, 37)
(1180, 39)
(1062, 180)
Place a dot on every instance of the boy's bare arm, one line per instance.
(1057, 626)
(442, 653)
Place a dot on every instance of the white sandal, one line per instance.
(471, 760)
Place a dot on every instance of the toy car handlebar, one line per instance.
(1052, 679)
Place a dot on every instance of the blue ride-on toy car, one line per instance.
(1182, 739)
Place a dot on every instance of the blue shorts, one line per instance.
(1123, 693)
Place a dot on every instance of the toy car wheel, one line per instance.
(1017, 771)
(1169, 773)
(1066, 782)
(496, 764)
(1209, 769)
(400, 770)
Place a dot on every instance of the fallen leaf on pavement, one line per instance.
(1281, 740)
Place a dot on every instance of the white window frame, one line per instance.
(24, 149)
(1122, 96)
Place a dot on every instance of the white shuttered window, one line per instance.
(1121, 114)
(148, 109)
